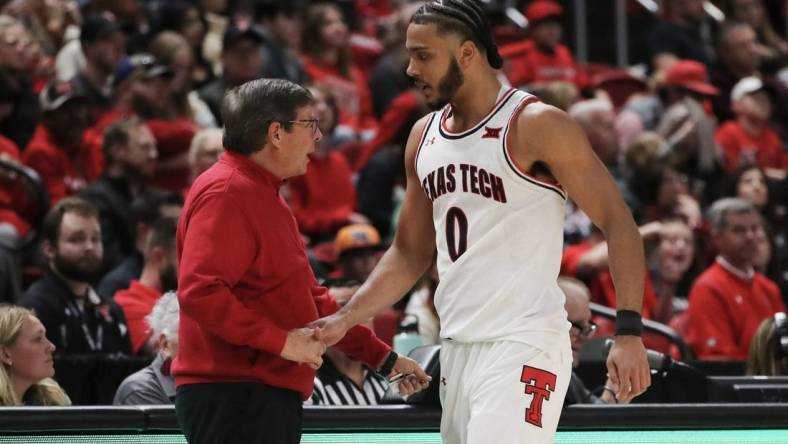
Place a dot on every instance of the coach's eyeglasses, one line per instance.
(310, 123)
(587, 330)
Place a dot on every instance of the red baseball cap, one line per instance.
(540, 10)
(691, 75)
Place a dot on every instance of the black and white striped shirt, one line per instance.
(334, 388)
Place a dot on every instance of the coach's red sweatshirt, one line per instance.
(245, 281)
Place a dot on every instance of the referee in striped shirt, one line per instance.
(360, 387)
(341, 380)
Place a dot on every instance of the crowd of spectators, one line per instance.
(111, 108)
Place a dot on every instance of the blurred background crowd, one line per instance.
(109, 109)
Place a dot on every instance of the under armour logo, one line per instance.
(492, 133)
(443, 380)
(429, 142)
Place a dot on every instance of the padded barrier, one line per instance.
(79, 420)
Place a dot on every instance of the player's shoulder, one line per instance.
(540, 118)
(421, 124)
(417, 130)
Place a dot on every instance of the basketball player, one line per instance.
(488, 174)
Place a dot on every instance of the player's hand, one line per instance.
(627, 367)
(304, 346)
(413, 377)
(333, 328)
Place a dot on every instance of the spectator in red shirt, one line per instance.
(542, 58)
(589, 262)
(730, 299)
(143, 88)
(326, 57)
(159, 275)
(246, 289)
(57, 151)
(324, 199)
(748, 140)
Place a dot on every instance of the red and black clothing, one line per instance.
(64, 172)
(245, 281)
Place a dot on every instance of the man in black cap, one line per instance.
(242, 61)
(142, 86)
(56, 152)
(103, 45)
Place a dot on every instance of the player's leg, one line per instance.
(518, 393)
(455, 404)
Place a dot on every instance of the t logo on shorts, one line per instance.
(538, 383)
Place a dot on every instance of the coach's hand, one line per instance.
(305, 346)
(414, 378)
(627, 367)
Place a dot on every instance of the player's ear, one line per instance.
(466, 53)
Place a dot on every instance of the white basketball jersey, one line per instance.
(499, 232)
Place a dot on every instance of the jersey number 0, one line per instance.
(456, 233)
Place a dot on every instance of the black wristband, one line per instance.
(628, 323)
(388, 364)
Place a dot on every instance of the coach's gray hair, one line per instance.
(720, 210)
(165, 316)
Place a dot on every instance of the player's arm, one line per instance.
(544, 133)
(404, 263)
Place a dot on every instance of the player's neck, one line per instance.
(474, 100)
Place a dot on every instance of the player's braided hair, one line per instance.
(464, 17)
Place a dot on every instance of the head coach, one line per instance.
(246, 359)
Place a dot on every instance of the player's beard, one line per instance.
(448, 85)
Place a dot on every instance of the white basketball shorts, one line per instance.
(502, 392)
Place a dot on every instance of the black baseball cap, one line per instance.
(56, 94)
(97, 27)
(141, 65)
(237, 32)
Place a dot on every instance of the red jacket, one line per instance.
(245, 281)
(526, 64)
(726, 309)
(64, 173)
(765, 148)
(137, 302)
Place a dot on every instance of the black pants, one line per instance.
(239, 413)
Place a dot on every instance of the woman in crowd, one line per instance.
(26, 354)
(766, 357)
(326, 57)
(173, 50)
